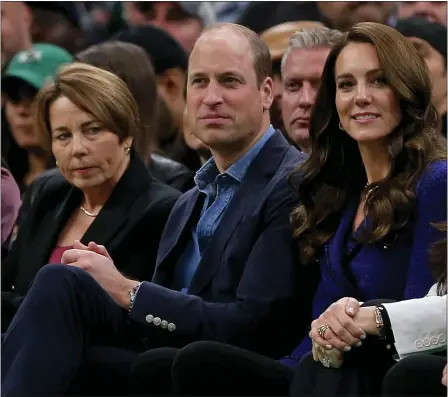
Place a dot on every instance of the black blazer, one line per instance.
(129, 225)
(249, 289)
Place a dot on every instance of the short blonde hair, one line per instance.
(95, 91)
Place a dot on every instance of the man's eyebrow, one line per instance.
(196, 75)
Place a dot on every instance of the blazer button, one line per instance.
(164, 324)
(149, 318)
(434, 340)
(157, 321)
(171, 327)
(418, 344)
(426, 342)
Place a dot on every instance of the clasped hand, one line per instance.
(95, 260)
(342, 332)
(339, 331)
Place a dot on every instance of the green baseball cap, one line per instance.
(37, 65)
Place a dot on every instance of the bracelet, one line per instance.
(379, 322)
(387, 334)
(132, 296)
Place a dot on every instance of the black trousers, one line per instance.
(151, 373)
(216, 369)
(209, 368)
(419, 375)
(55, 335)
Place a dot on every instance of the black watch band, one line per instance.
(386, 333)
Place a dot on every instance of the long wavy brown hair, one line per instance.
(334, 173)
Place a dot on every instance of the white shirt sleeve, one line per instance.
(419, 325)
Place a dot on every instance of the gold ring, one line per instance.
(321, 330)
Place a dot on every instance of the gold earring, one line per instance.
(127, 150)
(57, 164)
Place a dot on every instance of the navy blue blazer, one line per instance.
(248, 284)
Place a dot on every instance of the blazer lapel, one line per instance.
(48, 232)
(189, 211)
(116, 210)
(248, 196)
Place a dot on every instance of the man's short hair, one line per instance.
(260, 50)
(312, 38)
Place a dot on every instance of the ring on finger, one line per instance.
(321, 330)
(326, 362)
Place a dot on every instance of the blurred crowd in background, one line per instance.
(38, 37)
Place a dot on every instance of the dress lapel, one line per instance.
(335, 250)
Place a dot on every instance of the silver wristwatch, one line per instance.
(132, 295)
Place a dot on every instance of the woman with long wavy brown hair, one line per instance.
(373, 186)
(376, 177)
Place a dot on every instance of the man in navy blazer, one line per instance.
(226, 268)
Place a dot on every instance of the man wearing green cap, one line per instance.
(27, 72)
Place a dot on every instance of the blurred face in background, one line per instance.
(171, 88)
(15, 29)
(433, 11)
(344, 14)
(301, 78)
(436, 64)
(53, 27)
(169, 16)
(193, 142)
(18, 110)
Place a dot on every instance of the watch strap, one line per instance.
(132, 295)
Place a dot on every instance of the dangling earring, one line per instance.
(127, 150)
(57, 164)
(341, 127)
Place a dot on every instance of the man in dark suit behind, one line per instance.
(226, 268)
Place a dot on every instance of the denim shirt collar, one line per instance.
(209, 172)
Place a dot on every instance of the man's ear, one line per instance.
(267, 93)
(171, 84)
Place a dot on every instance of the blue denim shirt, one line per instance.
(219, 190)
